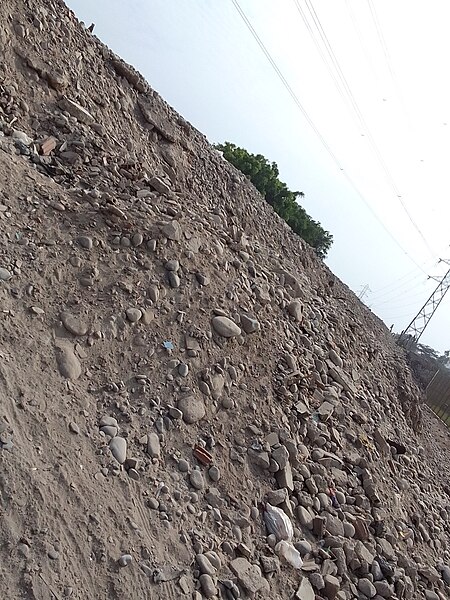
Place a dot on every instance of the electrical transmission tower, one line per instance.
(364, 291)
(412, 333)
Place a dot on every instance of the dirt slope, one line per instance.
(172, 357)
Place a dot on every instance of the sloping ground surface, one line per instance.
(172, 358)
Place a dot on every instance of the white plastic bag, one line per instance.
(288, 553)
(278, 523)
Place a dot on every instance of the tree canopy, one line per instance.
(264, 176)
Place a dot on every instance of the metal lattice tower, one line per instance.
(364, 291)
(412, 333)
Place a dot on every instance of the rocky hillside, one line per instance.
(192, 405)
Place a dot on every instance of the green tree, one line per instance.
(264, 176)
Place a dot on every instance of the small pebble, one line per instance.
(214, 473)
(183, 369)
(5, 274)
(133, 314)
(74, 427)
(85, 242)
(125, 560)
(175, 413)
(196, 479)
(183, 465)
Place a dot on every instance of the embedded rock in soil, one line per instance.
(74, 324)
(68, 364)
(118, 447)
(295, 309)
(225, 327)
(193, 409)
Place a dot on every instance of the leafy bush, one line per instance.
(264, 176)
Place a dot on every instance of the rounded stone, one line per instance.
(125, 560)
(21, 136)
(367, 588)
(108, 421)
(137, 239)
(249, 324)
(5, 275)
(85, 242)
(109, 430)
(445, 570)
(196, 479)
(118, 447)
(340, 497)
(172, 265)
(295, 309)
(133, 474)
(174, 279)
(349, 529)
(204, 564)
(317, 581)
(225, 327)
(153, 445)
(183, 369)
(227, 402)
(73, 324)
(193, 409)
(74, 427)
(214, 473)
(175, 413)
(207, 584)
(133, 314)
(183, 465)
(303, 451)
(303, 546)
(384, 589)
(68, 364)
(214, 559)
(24, 550)
(153, 293)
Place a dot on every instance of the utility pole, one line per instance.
(412, 333)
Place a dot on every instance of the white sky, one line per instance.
(386, 125)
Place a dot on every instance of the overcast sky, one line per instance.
(365, 133)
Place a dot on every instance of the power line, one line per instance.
(413, 131)
(409, 276)
(356, 109)
(313, 126)
(368, 206)
(284, 81)
(361, 40)
(397, 318)
(381, 39)
(388, 289)
(398, 292)
(319, 48)
(391, 305)
(411, 127)
(394, 298)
